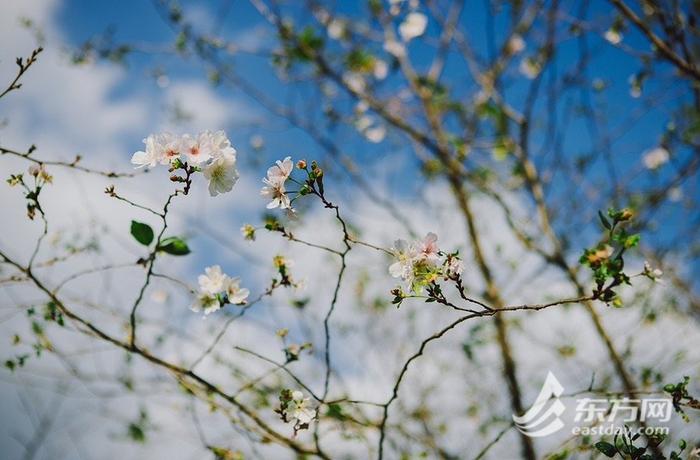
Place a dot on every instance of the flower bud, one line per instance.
(301, 164)
(248, 232)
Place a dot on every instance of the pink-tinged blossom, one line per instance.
(281, 171)
(274, 188)
(455, 267)
(170, 147)
(429, 249)
(196, 148)
(218, 145)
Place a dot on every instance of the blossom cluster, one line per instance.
(209, 152)
(274, 188)
(420, 263)
(276, 179)
(294, 407)
(217, 289)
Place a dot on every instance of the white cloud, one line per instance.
(69, 110)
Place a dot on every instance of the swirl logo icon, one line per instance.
(542, 419)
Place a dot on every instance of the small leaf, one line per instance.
(606, 448)
(175, 246)
(143, 233)
(604, 221)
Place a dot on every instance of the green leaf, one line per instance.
(606, 448)
(142, 232)
(174, 246)
(604, 221)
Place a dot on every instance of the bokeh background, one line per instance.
(601, 109)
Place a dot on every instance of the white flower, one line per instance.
(170, 147)
(221, 173)
(274, 184)
(277, 195)
(354, 81)
(152, 154)
(248, 232)
(516, 44)
(363, 123)
(300, 409)
(234, 292)
(336, 29)
(530, 68)
(655, 158)
(413, 26)
(675, 194)
(455, 267)
(213, 281)
(653, 273)
(613, 36)
(380, 70)
(217, 144)
(196, 149)
(280, 261)
(205, 302)
(281, 171)
(376, 134)
(406, 255)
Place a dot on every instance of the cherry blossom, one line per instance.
(212, 282)
(613, 36)
(300, 410)
(421, 262)
(406, 255)
(217, 289)
(196, 148)
(217, 144)
(205, 302)
(151, 156)
(274, 188)
(655, 158)
(428, 248)
(530, 68)
(211, 152)
(281, 171)
(516, 44)
(221, 173)
(455, 267)
(234, 292)
(413, 26)
(170, 147)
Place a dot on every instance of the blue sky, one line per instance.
(140, 23)
(103, 110)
